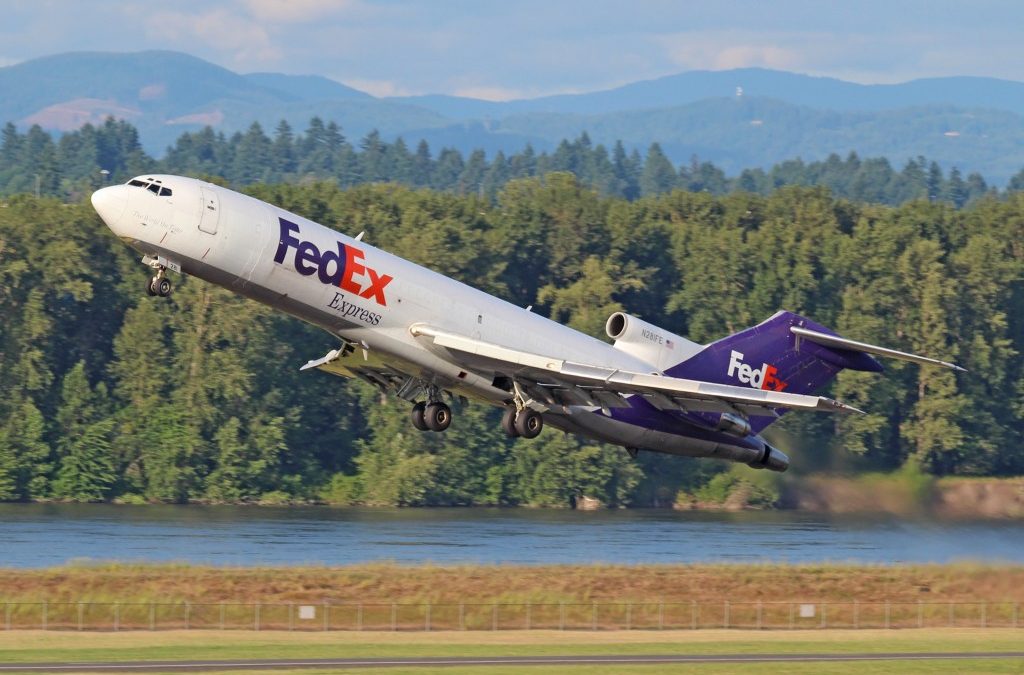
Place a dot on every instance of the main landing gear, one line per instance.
(525, 423)
(435, 416)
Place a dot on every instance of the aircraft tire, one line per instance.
(163, 287)
(151, 287)
(508, 422)
(418, 420)
(529, 423)
(437, 416)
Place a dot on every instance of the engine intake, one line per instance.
(647, 342)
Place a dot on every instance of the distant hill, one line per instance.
(806, 90)
(737, 118)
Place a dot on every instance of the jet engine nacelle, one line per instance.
(647, 342)
(772, 459)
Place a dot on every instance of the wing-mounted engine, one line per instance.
(647, 342)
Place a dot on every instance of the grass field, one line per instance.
(36, 646)
(515, 584)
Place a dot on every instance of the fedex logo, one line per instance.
(343, 269)
(762, 378)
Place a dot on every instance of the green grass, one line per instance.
(35, 646)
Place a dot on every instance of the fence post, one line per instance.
(593, 618)
(1014, 616)
(694, 613)
(661, 616)
(629, 616)
(886, 613)
(856, 613)
(394, 617)
(45, 607)
(824, 615)
(494, 617)
(81, 611)
(462, 616)
(359, 616)
(7, 615)
(222, 616)
(951, 610)
(920, 614)
(325, 615)
(561, 615)
(152, 616)
(117, 617)
(529, 617)
(428, 617)
(759, 615)
(791, 617)
(984, 614)
(257, 616)
(188, 615)
(725, 619)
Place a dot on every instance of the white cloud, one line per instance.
(245, 42)
(376, 87)
(297, 11)
(491, 93)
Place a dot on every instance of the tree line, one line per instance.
(72, 165)
(106, 393)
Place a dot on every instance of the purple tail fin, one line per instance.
(768, 356)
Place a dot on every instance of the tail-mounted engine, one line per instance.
(647, 342)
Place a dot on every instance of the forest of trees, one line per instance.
(71, 166)
(106, 393)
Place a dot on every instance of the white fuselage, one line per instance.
(251, 247)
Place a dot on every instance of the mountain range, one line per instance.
(736, 118)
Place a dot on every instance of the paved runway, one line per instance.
(275, 664)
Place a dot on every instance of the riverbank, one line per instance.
(903, 493)
(514, 583)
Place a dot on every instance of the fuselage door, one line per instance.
(211, 211)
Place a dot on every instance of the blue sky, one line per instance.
(500, 50)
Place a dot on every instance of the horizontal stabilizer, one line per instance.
(837, 342)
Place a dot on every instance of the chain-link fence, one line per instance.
(392, 616)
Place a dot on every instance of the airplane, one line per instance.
(432, 341)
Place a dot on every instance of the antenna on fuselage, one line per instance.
(359, 237)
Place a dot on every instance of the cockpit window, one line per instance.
(152, 185)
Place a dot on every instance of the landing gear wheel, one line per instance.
(151, 287)
(529, 423)
(508, 422)
(418, 420)
(163, 287)
(437, 416)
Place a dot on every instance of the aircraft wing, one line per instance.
(559, 382)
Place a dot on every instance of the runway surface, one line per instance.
(274, 664)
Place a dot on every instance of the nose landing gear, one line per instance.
(159, 284)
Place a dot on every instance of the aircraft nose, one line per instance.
(109, 202)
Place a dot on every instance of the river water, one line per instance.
(38, 535)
